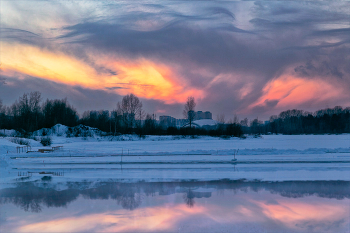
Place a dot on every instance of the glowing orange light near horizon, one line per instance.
(144, 78)
(290, 212)
(292, 91)
(148, 219)
(152, 81)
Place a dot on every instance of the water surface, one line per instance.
(188, 206)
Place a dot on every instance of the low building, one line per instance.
(208, 115)
(167, 121)
(199, 115)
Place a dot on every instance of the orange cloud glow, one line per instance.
(47, 65)
(150, 80)
(292, 213)
(144, 78)
(292, 91)
(143, 219)
(288, 212)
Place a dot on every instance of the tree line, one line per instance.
(30, 113)
(326, 121)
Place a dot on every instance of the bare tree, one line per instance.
(130, 109)
(34, 103)
(115, 116)
(2, 115)
(235, 119)
(59, 111)
(26, 111)
(150, 124)
(188, 112)
(244, 122)
(221, 124)
(221, 118)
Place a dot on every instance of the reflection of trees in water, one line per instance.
(297, 189)
(190, 194)
(130, 200)
(31, 198)
(23, 203)
(130, 195)
(189, 198)
(149, 190)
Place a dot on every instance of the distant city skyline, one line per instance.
(250, 59)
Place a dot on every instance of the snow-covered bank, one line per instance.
(272, 157)
(268, 144)
(129, 174)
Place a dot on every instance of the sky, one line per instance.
(249, 58)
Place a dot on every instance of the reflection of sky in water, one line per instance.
(164, 207)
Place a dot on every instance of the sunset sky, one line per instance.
(246, 58)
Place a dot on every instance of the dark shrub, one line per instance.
(45, 141)
(172, 131)
(46, 178)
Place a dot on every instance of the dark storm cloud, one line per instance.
(21, 36)
(267, 106)
(333, 32)
(126, 86)
(323, 69)
(190, 47)
(221, 10)
(12, 33)
(302, 12)
(159, 6)
(182, 42)
(229, 103)
(116, 88)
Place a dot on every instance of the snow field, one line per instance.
(272, 157)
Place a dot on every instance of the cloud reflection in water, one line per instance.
(186, 206)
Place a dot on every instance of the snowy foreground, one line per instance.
(167, 158)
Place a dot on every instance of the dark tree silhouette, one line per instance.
(129, 198)
(2, 115)
(189, 198)
(97, 119)
(59, 112)
(150, 125)
(26, 111)
(188, 112)
(130, 109)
